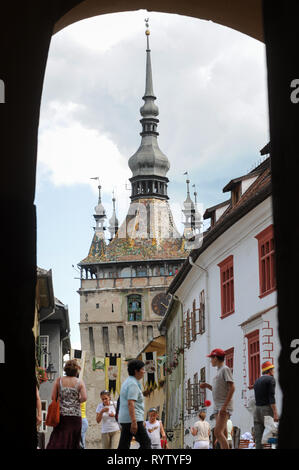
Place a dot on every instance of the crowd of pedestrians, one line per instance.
(123, 423)
(222, 390)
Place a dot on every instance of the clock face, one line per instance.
(160, 303)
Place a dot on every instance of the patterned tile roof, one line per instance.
(134, 244)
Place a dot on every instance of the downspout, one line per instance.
(207, 310)
(182, 414)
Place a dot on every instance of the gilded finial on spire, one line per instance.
(147, 31)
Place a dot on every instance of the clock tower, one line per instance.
(123, 283)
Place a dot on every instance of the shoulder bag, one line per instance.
(53, 415)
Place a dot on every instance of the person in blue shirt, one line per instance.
(131, 408)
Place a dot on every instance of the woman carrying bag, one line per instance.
(71, 392)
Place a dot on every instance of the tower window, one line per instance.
(135, 333)
(134, 308)
(97, 305)
(141, 271)
(150, 333)
(91, 340)
(106, 339)
(120, 335)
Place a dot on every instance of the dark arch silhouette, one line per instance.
(26, 28)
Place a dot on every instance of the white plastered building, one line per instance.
(228, 297)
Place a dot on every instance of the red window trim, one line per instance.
(253, 335)
(188, 329)
(224, 265)
(266, 236)
(229, 354)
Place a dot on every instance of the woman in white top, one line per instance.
(106, 412)
(201, 430)
(154, 429)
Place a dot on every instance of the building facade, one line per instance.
(154, 357)
(172, 326)
(52, 330)
(227, 289)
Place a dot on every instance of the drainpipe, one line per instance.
(207, 310)
(181, 415)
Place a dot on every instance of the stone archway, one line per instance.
(245, 16)
(25, 34)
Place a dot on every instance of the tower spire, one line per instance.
(197, 221)
(149, 165)
(100, 213)
(149, 92)
(188, 211)
(113, 221)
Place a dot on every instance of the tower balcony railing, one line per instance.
(126, 281)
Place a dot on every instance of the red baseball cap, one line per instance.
(217, 352)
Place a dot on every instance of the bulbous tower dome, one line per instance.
(149, 165)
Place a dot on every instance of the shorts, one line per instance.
(201, 445)
(156, 446)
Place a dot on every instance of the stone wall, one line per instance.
(105, 328)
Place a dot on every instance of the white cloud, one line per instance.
(101, 33)
(70, 153)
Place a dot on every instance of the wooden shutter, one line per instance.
(193, 320)
(188, 329)
(253, 357)
(266, 253)
(227, 286)
(201, 320)
(229, 358)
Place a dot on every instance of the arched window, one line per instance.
(134, 307)
(150, 333)
(141, 271)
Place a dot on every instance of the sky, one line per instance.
(211, 88)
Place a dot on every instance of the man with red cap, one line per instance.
(223, 389)
(264, 391)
